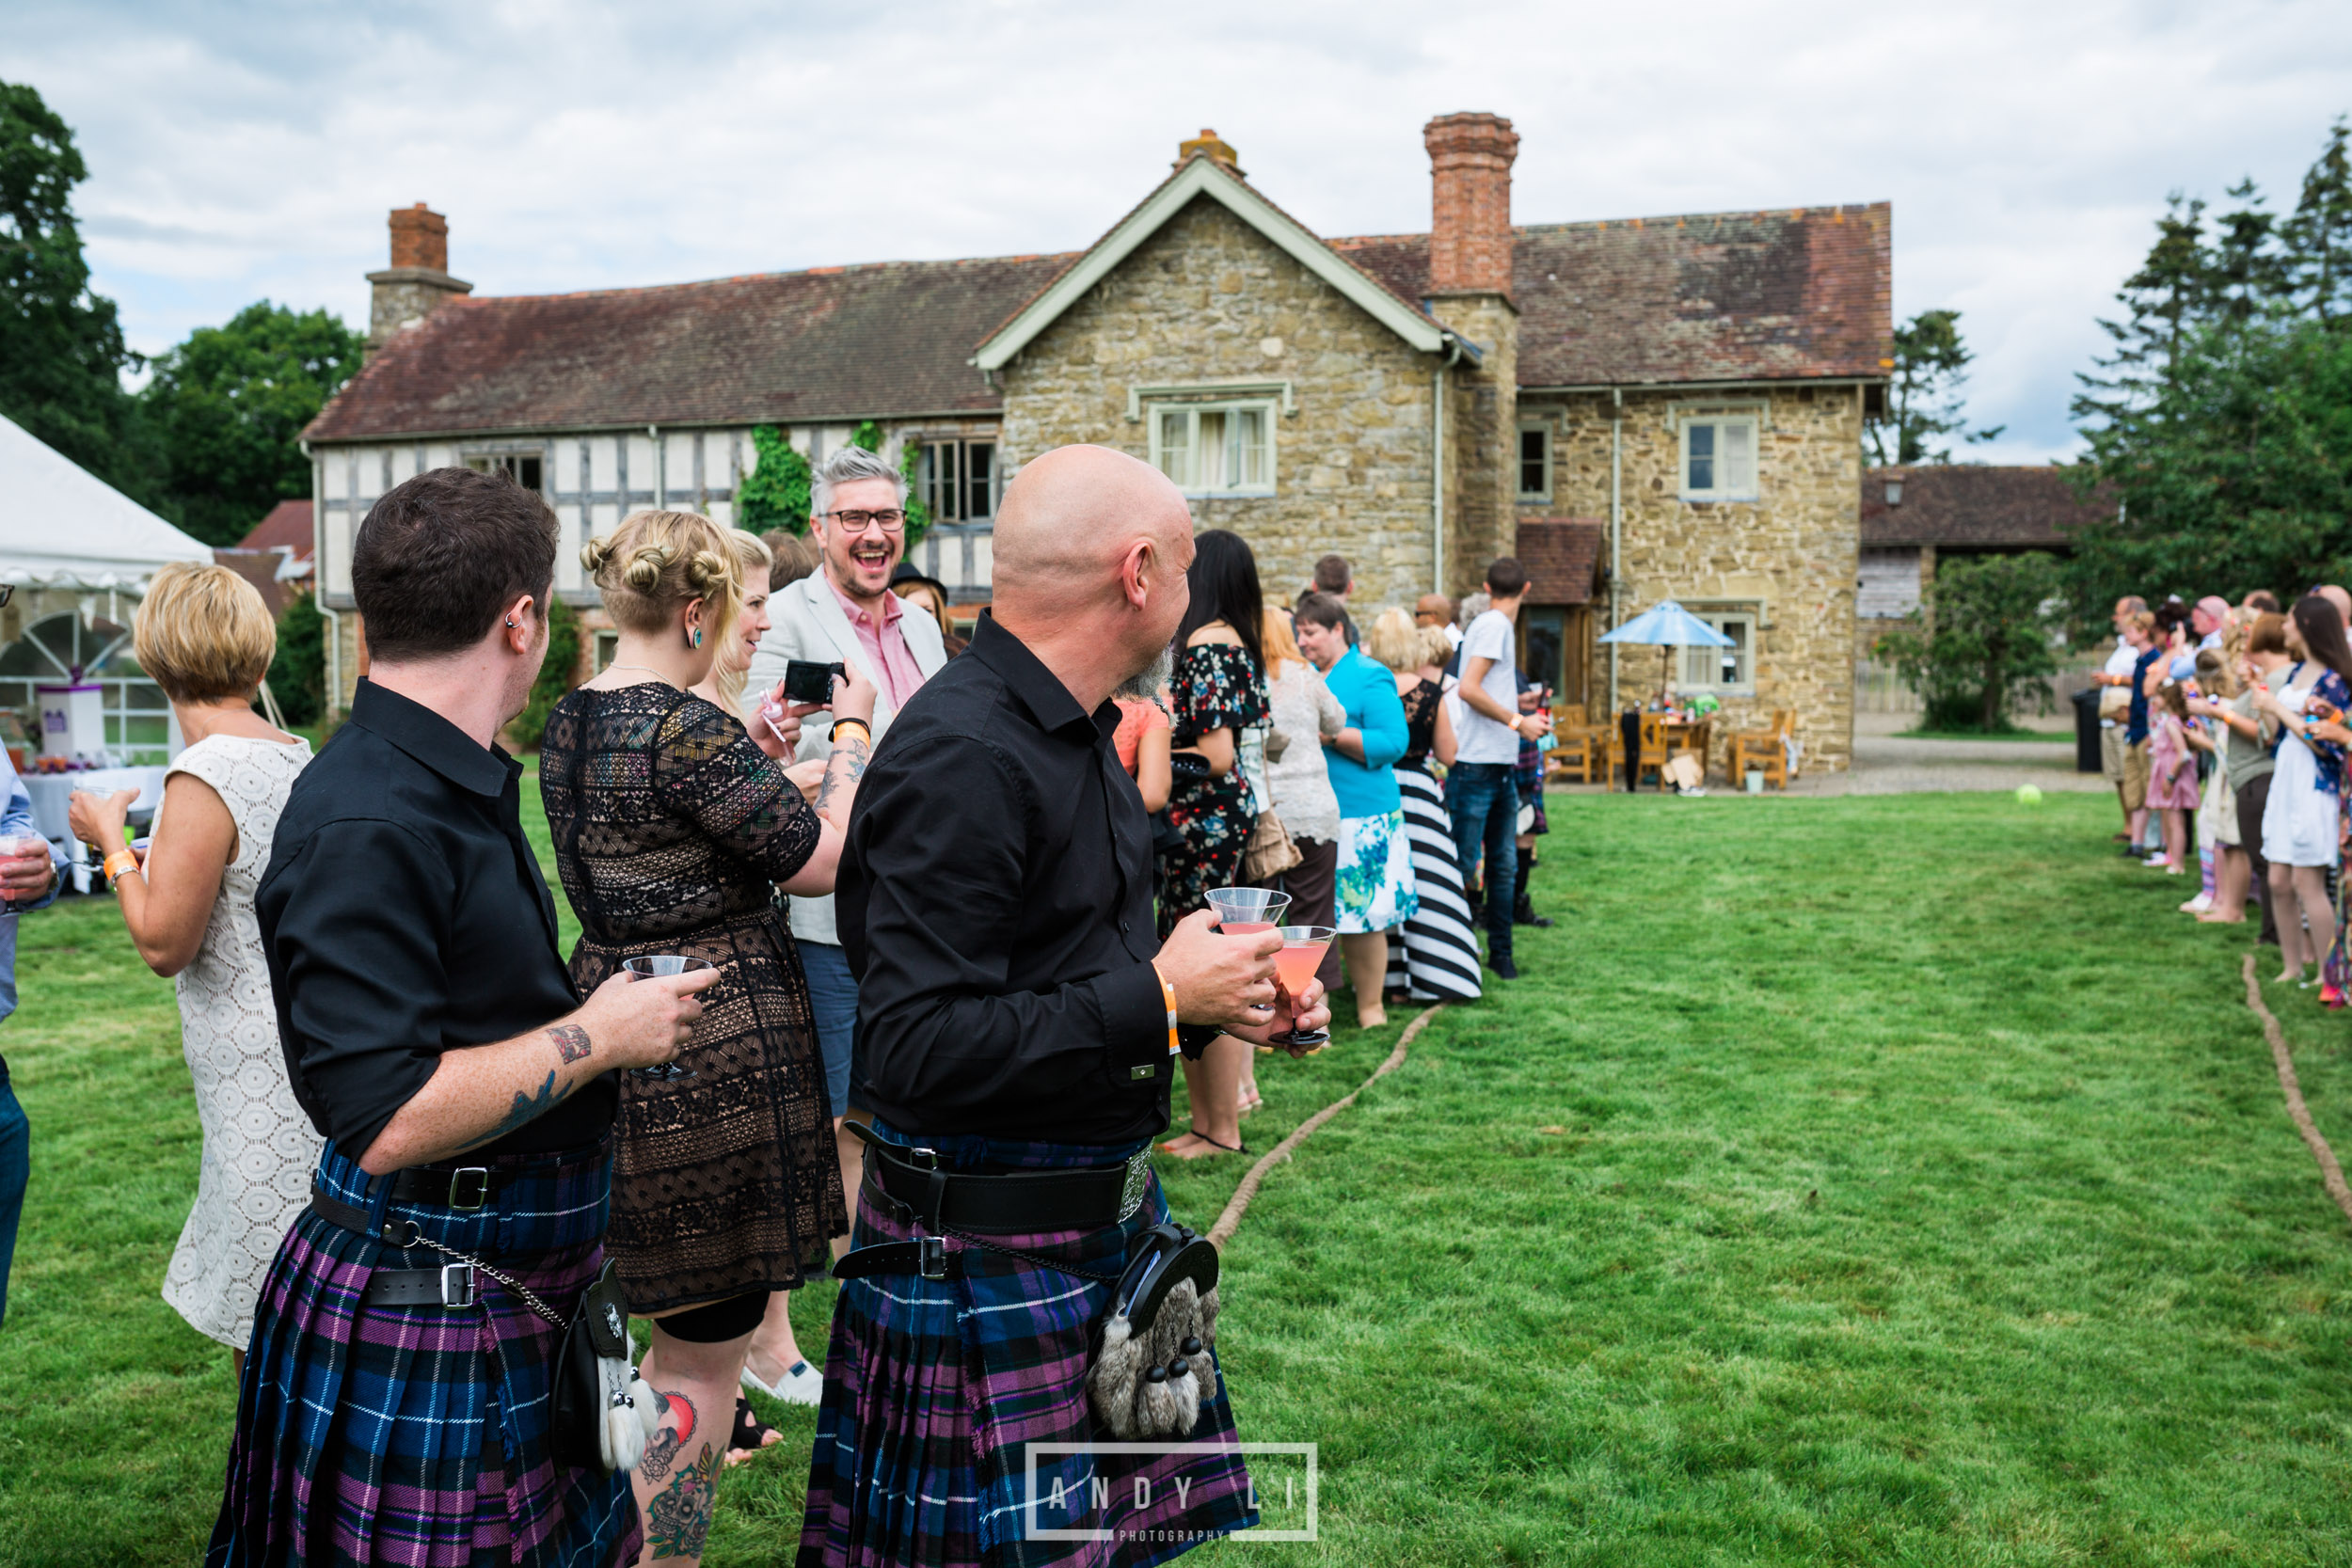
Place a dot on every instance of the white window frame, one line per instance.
(1518, 462)
(1726, 487)
(1155, 413)
(1718, 616)
(506, 459)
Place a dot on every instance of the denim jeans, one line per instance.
(15, 1166)
(1483, 799)
(833, 1004)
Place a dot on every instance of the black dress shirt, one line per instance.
(995, 904)
(403, 916)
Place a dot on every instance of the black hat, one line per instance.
(906, 571)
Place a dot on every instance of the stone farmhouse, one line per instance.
(1640, 408)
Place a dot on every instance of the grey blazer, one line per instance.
(807, 621)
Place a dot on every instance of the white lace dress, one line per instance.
(259, 1147)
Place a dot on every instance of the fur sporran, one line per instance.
(1153, 1365)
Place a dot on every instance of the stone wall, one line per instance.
(1209, 299)
(1792, 553)
(1482, 413)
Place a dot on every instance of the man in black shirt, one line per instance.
(1015, 1012)
(467, 1093)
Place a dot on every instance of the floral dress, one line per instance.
(1216, 686)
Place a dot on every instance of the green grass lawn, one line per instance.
(1877, 1180)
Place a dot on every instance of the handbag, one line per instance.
(2115, 701)
(1269, 851)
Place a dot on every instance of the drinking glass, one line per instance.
(1294, 967)
(1243, 910)
(655, 966)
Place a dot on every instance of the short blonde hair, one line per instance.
(1394, 639)
(655, 563)
(203, 634)
(1433, 647)
(753, 560)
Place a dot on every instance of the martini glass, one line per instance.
(1294, 967)
(655, 966)
(1243, 911)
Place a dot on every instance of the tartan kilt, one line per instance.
(416, 1436)
(933, 1389)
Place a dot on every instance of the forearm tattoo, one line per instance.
(526, 1108)
(571, 1040)
(845, 768)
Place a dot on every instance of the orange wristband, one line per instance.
(121, 863)
(1168, 995)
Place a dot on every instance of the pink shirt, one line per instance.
(886, 646)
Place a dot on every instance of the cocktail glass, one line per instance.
(1294, 967)
(658, 966)
(1245, 910)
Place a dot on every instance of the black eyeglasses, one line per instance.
(889, 520)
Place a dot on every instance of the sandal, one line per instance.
(1170, 1147)
(751, 1433)
(1250, 1098)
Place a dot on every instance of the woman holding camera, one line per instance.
(671, 826)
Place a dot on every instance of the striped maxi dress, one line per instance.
(1433, 956)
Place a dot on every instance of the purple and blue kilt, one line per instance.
(1528, 775)
(416, 1436)
(933, 1389)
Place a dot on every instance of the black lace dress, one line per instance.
(669, 827)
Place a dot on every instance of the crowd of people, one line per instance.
(2224, 730)
(835, 1005)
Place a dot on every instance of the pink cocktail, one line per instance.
(1294, 967)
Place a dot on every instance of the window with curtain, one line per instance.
(1216, 449)
(1722, 670)
(1719, 458)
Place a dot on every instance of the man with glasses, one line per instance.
(842, 612)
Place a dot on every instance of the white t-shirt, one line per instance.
(1477, 737)
(2121, 661)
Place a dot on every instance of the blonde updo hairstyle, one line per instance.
(655, 563)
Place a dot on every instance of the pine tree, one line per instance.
(2166, 297)
(2319, 233)
(1923, 397)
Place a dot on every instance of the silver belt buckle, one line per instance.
(469, 1194)
(458, 1287)
(1138, 1182)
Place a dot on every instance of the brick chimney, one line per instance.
(1209, 145)
(1470, 226)
(417, 282)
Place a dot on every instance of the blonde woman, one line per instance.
(723, 687)
(205, 636)
(670, 826)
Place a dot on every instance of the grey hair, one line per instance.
(1475, 605)
(847, 466)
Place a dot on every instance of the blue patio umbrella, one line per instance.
(1667, 625)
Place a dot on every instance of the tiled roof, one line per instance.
(288, 523)
(882, 341)
(1563, 557)
(1712, 296)
(260, 568)
(1969, 505)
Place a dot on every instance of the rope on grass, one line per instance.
(2331, 1173)
(1238, 1205)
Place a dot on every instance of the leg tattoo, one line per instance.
(678, 1519)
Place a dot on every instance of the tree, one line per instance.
(229, 404)
(775, 493)
(1985, 640)
(61, 349)
(1924, 399)
(298, 673)
(2319, 234)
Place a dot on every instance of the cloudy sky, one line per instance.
(250, 149)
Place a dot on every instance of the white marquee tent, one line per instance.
(62, 527)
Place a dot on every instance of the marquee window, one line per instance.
(1719, 458)
(1216, 449)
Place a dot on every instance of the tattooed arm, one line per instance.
(835, 797)
(478, 1094)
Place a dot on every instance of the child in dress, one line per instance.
(2172, 772)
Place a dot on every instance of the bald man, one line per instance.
(1016, 1014)
(2342, 600)
(1436, 610)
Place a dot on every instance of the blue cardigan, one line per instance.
(1366, 691)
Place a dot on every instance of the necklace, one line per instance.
(647, 670)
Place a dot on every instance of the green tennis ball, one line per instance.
(2029, 795)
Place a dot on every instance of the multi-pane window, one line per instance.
(1722, 670)
(1216, 449)
(1719, 459)
(957, 480)
(522, 467)
(1534, 462)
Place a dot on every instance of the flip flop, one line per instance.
(751, 1433)
(1170, 1147)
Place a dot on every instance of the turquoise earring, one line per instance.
(698, 637)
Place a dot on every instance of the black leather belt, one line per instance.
(1089, 1199)
(450, 1284)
